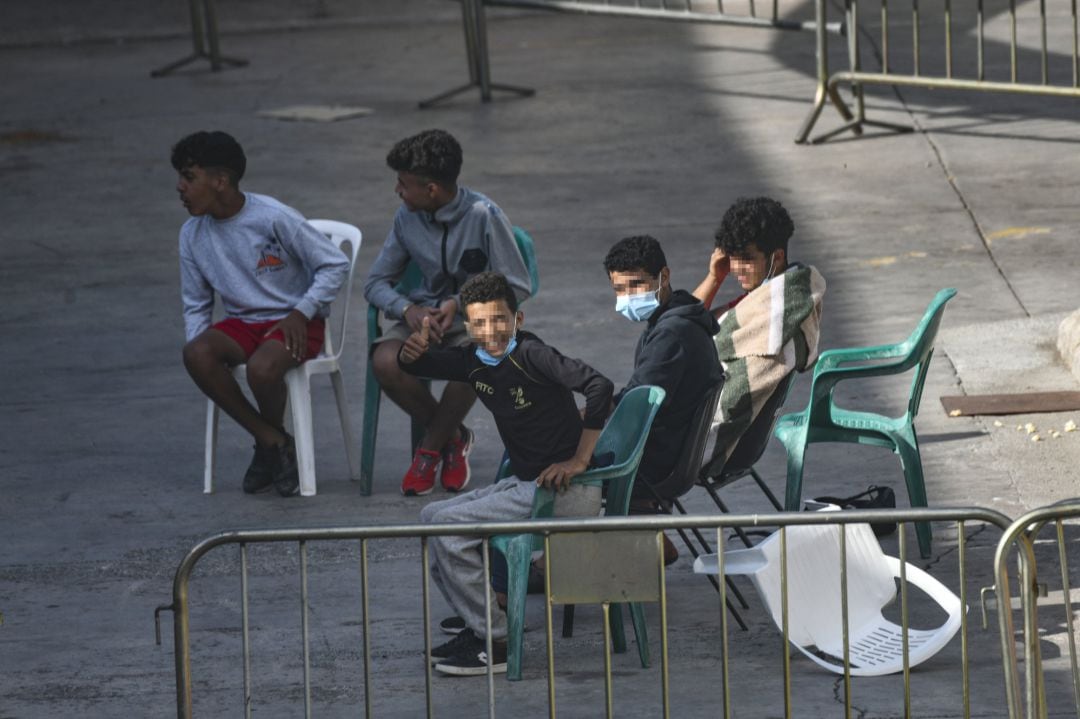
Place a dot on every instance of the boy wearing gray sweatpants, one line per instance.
(529, 388)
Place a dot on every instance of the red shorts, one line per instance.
(250, 335)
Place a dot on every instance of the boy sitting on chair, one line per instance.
(675, 351)
(772, 328)
(276, 276)
(451, 233)
(528, 386)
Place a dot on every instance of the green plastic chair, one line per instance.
(373, 392)
(624, 435)
(823, 421)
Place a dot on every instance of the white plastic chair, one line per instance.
(298, 381)
(814, 609)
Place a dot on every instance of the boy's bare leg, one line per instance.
(208, 358)
(266, 370)
(457, 400)
(442, 418)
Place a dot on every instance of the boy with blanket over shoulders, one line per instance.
(771, 329)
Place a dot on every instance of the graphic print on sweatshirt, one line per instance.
(270, 259)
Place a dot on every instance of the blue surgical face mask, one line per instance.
(639, 307)
(491, 360)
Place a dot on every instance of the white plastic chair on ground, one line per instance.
(298, 381)
(814, 606)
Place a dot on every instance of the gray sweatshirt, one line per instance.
(467, 236)
(263, 262)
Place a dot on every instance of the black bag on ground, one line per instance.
(874, 497)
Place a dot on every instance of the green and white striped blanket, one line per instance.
(774, 330)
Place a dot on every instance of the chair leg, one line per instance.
(370, 430)
(618, 633)
(641, 634)
(211, 446)
(299, 384)
(568, 621)
(346, 424)
(911, 463)
(765, 488)
(796, 451)
(518, 553)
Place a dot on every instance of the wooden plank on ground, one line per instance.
(1000, 404)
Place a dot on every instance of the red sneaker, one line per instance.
(455, 467)
(420, 479)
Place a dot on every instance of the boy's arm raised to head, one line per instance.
(719, 267)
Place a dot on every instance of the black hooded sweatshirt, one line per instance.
(676, 352)
(531, 394)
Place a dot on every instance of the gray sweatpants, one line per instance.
(457, 563)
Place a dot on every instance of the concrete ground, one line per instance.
(637, 127)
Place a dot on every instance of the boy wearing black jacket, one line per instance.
(675, 351)
(528, 387)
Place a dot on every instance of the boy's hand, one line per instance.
(447, 313)
(414, 318)
(418, 342)
(293, 328)
(558, 475)
(719, 264)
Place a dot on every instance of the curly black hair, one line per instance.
(488, 287)
(640, 252)
(432, 154)
(211, 151)
(758, 221)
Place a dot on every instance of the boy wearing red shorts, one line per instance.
(275, 276)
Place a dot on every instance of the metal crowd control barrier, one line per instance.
(942, 77)
(693, 11)
(625, 542)
(1022, 537)
(204, 38)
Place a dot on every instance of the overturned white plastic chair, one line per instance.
(814, 600)
(298, 381)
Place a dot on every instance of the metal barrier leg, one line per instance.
(204, 31)
(476, 50)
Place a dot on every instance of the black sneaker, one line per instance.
(259, 476)
(452, 625)
(464, 639)
(285, 472)
(472, 659)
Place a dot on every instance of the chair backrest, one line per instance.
(528, 254)
(921, 342)
(813, 562)
(684, 475)
(341, 234)
(624, 437)
(751, 446)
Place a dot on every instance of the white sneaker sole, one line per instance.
(457, 671)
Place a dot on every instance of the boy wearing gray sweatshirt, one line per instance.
(275, 276)
(452, 233)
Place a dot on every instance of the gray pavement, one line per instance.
(636, 127)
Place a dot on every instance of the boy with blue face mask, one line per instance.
(529, 388)
(675, 350)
